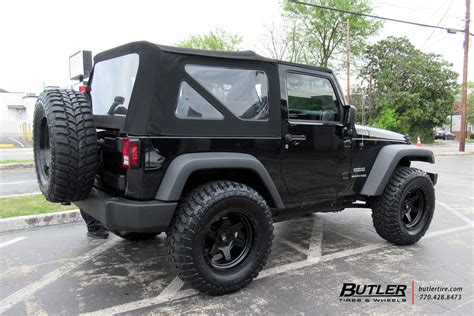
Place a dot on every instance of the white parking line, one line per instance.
(355, 251)
(167, 294)
(469, 301)
(292, 245)
(17, 182)
(455, 212)
(316, 240)
(454, 194)
(11, 242)
(447, 230)
(148, 302)
(26, 292)
(18, 142)
(171, 291)
(284, 268)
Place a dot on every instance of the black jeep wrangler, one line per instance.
(212, 147)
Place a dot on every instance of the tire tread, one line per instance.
(385, 208)
(191, 208)
(74, 148)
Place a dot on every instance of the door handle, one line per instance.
(295, 138)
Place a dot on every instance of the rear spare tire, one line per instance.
(65, 145)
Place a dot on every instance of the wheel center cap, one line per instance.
(223, 237)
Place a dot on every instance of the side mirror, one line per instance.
(349, 115)
(80, 65)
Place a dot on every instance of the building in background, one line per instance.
(16, 117)
(455, 120)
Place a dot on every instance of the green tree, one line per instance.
(470, 108)
(285, 42)
(214, 40)
(315, 36)
(408, 91)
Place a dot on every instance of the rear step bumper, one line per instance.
(119, 214)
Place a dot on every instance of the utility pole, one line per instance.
(362, 102)
(462, 142)
(348, 61)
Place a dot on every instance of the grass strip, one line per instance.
(29, 205)
(7, 161)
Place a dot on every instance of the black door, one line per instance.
(316, 157)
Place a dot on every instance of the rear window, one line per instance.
(112, 85)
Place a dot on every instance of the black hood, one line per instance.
(378, 133)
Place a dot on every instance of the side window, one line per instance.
(243, 91)
(311, 98)
(191, 105)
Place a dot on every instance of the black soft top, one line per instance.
(161, 71)
(243, 55)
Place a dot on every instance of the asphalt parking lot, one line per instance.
(58, 270)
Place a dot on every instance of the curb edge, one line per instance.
(41, 220)
(12, 166)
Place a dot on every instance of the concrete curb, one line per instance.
(454, 153)
(12, 166)
(31, 221)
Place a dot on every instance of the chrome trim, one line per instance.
(315, 123)
(207, 137)
(379, 140)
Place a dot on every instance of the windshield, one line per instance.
(112, 85)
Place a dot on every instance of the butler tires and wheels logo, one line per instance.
(390, 293)
(397, 293)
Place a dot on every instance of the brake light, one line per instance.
(130, 153)
(84, 89)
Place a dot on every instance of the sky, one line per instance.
(38, 36)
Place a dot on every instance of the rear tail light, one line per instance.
(84, 89)
(130, 153)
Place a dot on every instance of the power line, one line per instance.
(441, 20)
(440, 40)
(437, 40)
(449, 30)
(418, 9)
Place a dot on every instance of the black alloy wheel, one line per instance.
(413, 208)
(228, 239)
(44, 155)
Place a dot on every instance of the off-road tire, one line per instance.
(387, 210)
(135, 237)
(65, 145)
(185, 240)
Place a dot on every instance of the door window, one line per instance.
(191, 105)
(243, 91)
(311, 98)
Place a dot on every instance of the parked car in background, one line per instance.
(442, 134)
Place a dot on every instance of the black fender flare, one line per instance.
(387, 160)
(184, 165)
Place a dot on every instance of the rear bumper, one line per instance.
(119, 214)
(433, 177)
